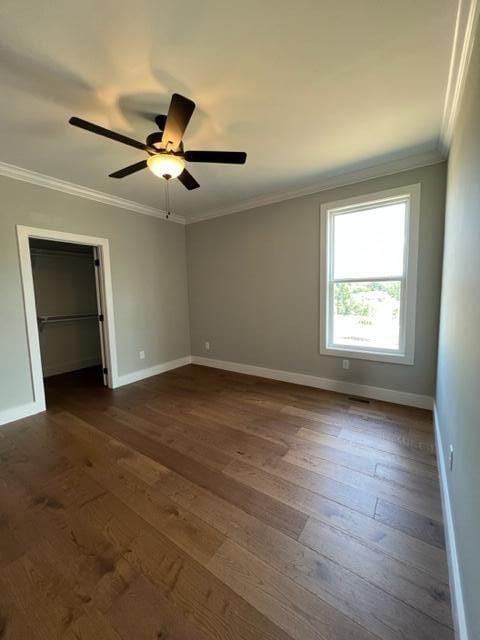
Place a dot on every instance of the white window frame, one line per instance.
(405, 355)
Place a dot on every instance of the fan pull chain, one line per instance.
(167, 199)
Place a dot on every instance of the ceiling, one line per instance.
(310, 88)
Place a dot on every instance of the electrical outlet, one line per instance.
(207, 346)
(141, 355)
(450, 457)
(346, 364)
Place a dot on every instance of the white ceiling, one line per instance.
(309, 88)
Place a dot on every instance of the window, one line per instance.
(368, 276)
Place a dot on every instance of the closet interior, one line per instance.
(67, 300)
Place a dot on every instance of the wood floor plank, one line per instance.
(41, 596)
(368, 605)
(262, 506)
(198, 593)
(185, 530)
(84, 551)
(296, 610)
(412, 418)
(268, 426)
(234, 442)
(401, 496)
(358, 426)
(209, 504)
(415, 524)
(389, 455)
(92, 626)
(411, 479)
(343, 493)
(152, 424)
(408, 584)
(142, 612)
(377, 535)
(335, 454)
(115, 546)
(102, 576)
(408, 444)
(13, 624)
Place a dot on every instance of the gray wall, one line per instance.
(458, 384)
(254, 286)
(148, 273)
(64, 284)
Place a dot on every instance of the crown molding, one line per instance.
(464, 36)
(42, 180)
(463, 40)
(329, 182)
(423, 159)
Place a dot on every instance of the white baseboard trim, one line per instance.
(23, 411)
(56, 370)
(456, 590)
(30, 409)
(135, 376)
(349, 388)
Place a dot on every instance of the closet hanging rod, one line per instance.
(80, 316)
(60, 253)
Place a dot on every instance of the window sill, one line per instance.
(374, 356)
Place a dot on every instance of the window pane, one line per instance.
(367, 314)
(369, 243)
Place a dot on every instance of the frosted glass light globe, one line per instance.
(166, 165)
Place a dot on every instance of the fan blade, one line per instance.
(179, 114)
(160, 121)
(188, 180)
(101, 131)
(225, 157)
(126, 171)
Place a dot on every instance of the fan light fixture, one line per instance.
(166, 165)
(164, 148)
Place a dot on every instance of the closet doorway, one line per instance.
(69, 311)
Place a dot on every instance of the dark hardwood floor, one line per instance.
(201, 505)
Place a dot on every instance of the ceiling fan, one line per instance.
(166, 156)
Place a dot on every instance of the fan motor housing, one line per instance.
(155, 139)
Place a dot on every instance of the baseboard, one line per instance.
(135, 376)
(30, 409)
(461, 630)
(23, 411)
(70, 366)
(349, 388)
